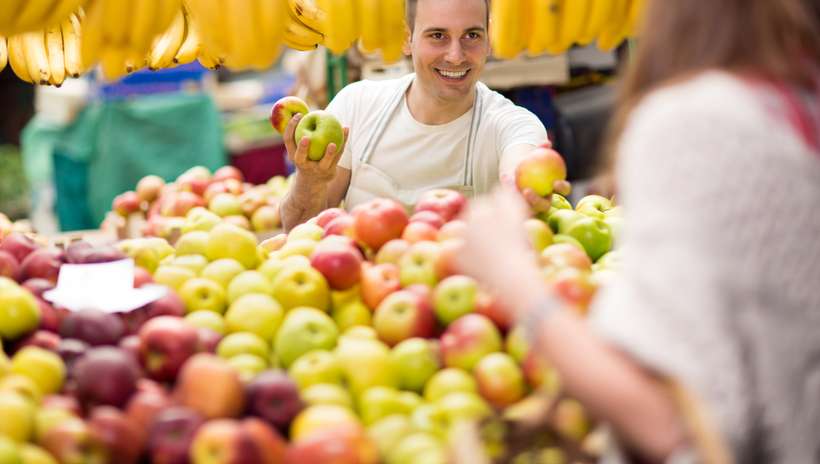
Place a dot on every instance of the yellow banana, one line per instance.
(17, 58)
(167, 45)
(394, 30)
(189, 49)
(242, 29)
(135, 61)
(34, 14)
(208, 20)
(600, 12)
(4, 53)
(116, 25)
(615, 30)
(634, 20)
(272, 17)
(552, 40)
(309, 14)
(8, 16)
(112, 63)
(34, 46)
(70, 29)
(209, 60)
(302, 47)
(574, 16)
(91, 38)
(370, 23)
(143, 24)
(341, 29)
(62, 10)
(506, 18)
(298, 33)
(56, 55)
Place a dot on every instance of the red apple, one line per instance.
(379, 221)
(228, 172)
(574, 286)
(193, 183)
(93, 327)
(448, 252)
(392, 251)
(467, 340)
(402, 315)
(18, 245)
(225, 441)
(500, 380)
(340, 264)
(171, 434)
(178, 204)
(9, 266)
(38, 285)
(106, 375)
(284, 109)
(490, 307)
(377, 282)
(148, 188)
(141, 277)
(40, 338)
(429, 217)
(562, 255)
(342, 225)
(338, 445)
(209, 385)
(324, 218)
(126, 203)
(62, 401)
(72, 441)
(166, 342)
(447, 203)
(44, 263)
(452, 229)
(51, 317)
(208, 340)
(143, 408)
(169, 304)
(540, 170)
(418, 232)
(274, 397)
(213, 190)
(120, 436)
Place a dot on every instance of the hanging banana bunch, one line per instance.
(616, 29)
(18, 16)
(341, 28)
(239, 34)
(4, 53)
(45, 57)
(382, 28)
(508, 38)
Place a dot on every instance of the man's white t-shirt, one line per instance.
(419, 157)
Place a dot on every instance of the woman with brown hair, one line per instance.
(717, 159)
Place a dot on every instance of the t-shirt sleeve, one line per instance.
(516, 126)
(343, 107)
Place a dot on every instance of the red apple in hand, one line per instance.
(447, 203)
(379, 221)
(540, 170)
(284, 109)
(166, 342)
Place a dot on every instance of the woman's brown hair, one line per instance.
(771, 39)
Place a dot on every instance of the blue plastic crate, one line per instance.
(146, 82)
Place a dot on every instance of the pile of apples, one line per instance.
(225, 196)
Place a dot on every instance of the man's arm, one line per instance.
(315, 184)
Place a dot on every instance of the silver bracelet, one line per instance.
(538, 312)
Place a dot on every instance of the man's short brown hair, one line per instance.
(410, 12)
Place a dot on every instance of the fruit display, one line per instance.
(47, 41)
(352, 339)
(553, 26)
(185, 210)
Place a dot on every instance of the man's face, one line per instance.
(449, 45)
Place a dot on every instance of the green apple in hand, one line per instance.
(322, 128)
(416, 362)
(303, 330)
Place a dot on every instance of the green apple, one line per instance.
(327, 393)
(200, 218)
(610, 260)
(454, 297)
(304, 329)
(256, 313)
(44, 367)
(563, 238)
(594, 234)
(409, 401)
(198, 293)
(366, 363)
(195, 263)
(18, 416)
(19, 312)
(418, 264)
(46, 418)
(192, 243)
(322, 128)
(593, 206)
(306, 230)
(458, 406)
(616, 225)
(560, 220)
(321, 417)
(316, 367)
(5, 363)
(10, 452)
(447, 381)
(242, 342)
(274, 264)
(300, 247)
(539, 234)
(173, 276)
(388, 431)
(430, 418)
(248, 282)
(560, 202)
(416, 362)
(516, 344)
(225, 204)
(360, 332)
(33, 454)
(222, 271)
(351, 313)
(410, 449)
(301, 286)
(230, 241)
(248, 365)
(207, 320)
(500, 380)
(23, 385)
(378, 402)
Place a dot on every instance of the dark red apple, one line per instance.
(274, 397)
(18, 245)
(120, 436)
(93, 327)
(37, 286)
(169, 305)
(44, 263)
(9, 266)
(166, 342)
(71, 349)
(106, 376)
(40, 338)
(171, 433)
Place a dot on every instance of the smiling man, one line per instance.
(436, 128)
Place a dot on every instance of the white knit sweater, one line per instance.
(721, 281)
